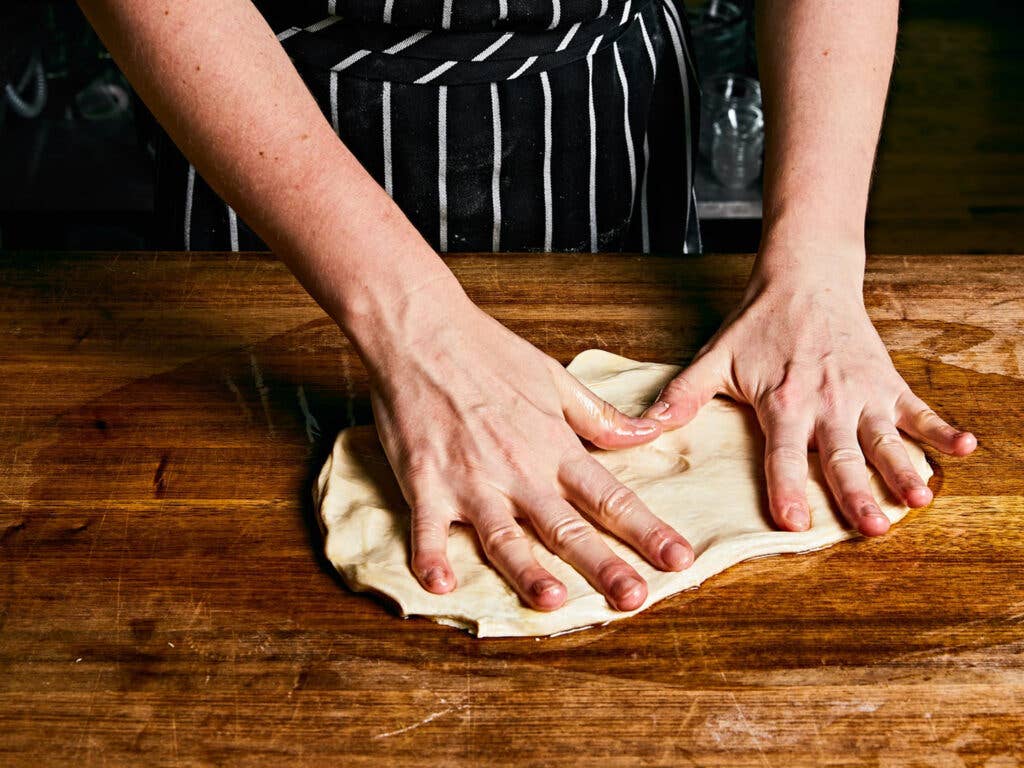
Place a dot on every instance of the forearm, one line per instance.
(825, 68)
(216, 78)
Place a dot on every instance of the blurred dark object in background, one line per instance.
(728, 174)
(75, 171)
(949, 176)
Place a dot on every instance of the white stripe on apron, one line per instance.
(593, 143)
(334, 101)
(410, 40)
(675, 33)
(442, 166)
(545, 85)
(627, 130)
(645, 230)
(190, 186)
(493, 47)
(233, 229)
(556, 13)
(386, 135)
(349, 60)
(496, 172)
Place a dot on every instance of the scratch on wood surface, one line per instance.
(174, 735)
(234, 687)
(429, 718)
(233, 388)
(83, 738)
(120, 574)
(312, 425)
(689, 713)
(746, 724)
(110, 498)
(263, 389)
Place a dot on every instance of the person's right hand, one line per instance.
(480, 427)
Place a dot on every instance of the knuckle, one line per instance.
(608, 412)
(908, 479)
(575, 463)
(617, 504)
(608, 416)
(419, 469)
(830, 397)
(886, 440)
(843, 457)
(611, 568)
(855, 500)
(781, 399)
(654, 536)
(929, 418)
(568, 532)
(424, 524)
(785, 453)
(677, 387)
(499, 538)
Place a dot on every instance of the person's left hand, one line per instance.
(802, 351)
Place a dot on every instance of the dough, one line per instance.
(705, 479)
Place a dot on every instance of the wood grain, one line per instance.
(164, 602)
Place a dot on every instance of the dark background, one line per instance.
(949, 176)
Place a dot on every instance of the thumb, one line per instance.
(599, 421)
(690, 390)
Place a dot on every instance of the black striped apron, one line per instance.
(495, 125)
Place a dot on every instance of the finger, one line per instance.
(620, 511)
(884, 448)
(922, 423)
(689, 391)
(785, 468)
(599, 421)
(847, 477)
(508, 550)
(429, 550)
(576, 541)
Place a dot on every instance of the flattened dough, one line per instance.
(706, 479)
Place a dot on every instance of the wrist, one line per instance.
(835, 271)
(810, 258)
(393, 325)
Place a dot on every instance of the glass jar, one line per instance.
(737, 145)
(721, 92)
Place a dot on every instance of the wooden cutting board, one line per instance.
(164, 600)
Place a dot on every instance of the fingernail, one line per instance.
(544, 587)
(676, 556)
(436, 577)
(972, 441)
(658, 411)
(798, 517)
(921, 492)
